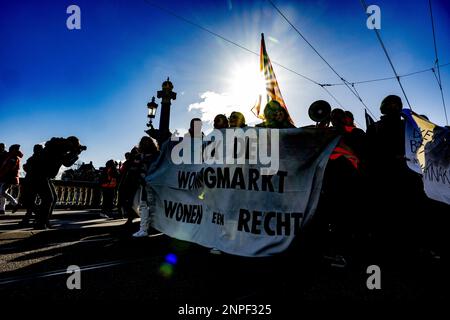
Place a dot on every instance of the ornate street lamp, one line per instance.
(152, 106)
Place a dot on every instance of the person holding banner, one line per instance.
(128, 185)
(148, 153)
(275, 116)
(340, 218)
(221, 122)
(236, 120)
(392, 181)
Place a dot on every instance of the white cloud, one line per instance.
(221, 103)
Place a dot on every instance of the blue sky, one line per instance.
(95, 82)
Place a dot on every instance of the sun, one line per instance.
(246, 83)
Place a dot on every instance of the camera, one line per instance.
(83, 148)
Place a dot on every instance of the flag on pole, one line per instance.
(369, 119)
(427, 152)
(272, 89)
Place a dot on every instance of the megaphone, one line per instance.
(319, 110)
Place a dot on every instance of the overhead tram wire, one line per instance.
(363, 3)
(239, 46)
(386, 78)
(345, 82)
(436, 63)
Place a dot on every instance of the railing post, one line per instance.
(73, 194)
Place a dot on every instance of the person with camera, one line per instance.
(57, 152)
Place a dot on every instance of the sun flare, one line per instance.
(246, 83)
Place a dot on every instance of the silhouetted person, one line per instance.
(129, 184)
(341, 191)
(3, 154)
(338, 119)
(221, 122)
(394, 184)
(57, 152)
(148, 153)
(352, 137)
(108, 184)
(123, 170)
(275, 116)
(9, 174)
(195, 128)
(236, 120)
(386, 139)
(349, 119)
(29, 191)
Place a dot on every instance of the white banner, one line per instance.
(235, 207)
(427, 148)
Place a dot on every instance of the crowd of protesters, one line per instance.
(364, 167)
(40, 168)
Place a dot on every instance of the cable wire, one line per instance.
(225, 39)
(436, 63)
(345, 82)
(386, 78)
(363, 3)
(239, 46)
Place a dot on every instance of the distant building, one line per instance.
(85, 172)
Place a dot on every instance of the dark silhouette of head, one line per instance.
(220, 121)
(110, 164)
(236, 120)
(275, 115)
(148, 145)
(134, 151)
(14, 148)
(349, 119)
(74, 140)
(338, 118)
(391, 106)
(195, 122)
(38, 148)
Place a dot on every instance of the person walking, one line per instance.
(3, 154)
(9, 174)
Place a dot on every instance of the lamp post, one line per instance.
(166, 95)
(152, 106)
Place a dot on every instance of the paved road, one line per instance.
(113, 266)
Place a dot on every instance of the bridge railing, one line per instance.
(77, 194)
(72, 194)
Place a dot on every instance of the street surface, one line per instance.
(166, 272)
